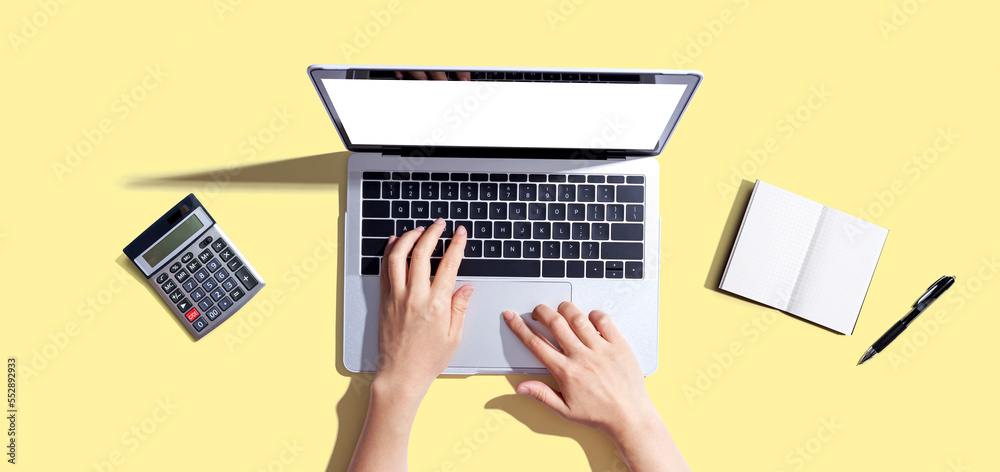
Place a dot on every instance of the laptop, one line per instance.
(552, 171)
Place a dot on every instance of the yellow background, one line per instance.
(265, 391)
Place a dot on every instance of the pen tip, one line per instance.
(870, 353)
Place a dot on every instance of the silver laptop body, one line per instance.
(527, 130)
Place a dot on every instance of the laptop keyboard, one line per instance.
(520, 225)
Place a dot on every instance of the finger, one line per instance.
(582, 326)
(539, 347)
(420, 260)
(397, 257)
(399, 75)
(463, 75)
(602, 321)
(557, 325)
(460, 303)
(419, 75)
(444, 278)
(439, 75)
(545, 395)
(386, 285)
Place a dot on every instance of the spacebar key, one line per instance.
(499, 268)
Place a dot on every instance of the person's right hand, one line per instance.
(601, 383)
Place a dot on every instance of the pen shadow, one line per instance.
(125, 263)
(602, 455)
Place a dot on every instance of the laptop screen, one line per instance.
(557, 114)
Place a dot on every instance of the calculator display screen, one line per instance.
(173, 239)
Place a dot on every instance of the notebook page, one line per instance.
(837, 271)
(771, 246)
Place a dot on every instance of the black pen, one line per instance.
(932, 293)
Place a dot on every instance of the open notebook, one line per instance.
(803, 258)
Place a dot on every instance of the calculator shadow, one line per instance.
(318, 171)
(124, 262)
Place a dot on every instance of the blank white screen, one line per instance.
(503, 114)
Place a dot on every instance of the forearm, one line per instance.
(647, 445)
(386, 433)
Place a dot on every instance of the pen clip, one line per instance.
(935, 290)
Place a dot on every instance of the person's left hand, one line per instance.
(420, 323)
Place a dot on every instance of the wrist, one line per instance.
(404, 394)
(641, 420)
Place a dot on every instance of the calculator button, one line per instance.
(205, 242)
(205, 256)
(191, 315)
(226, 254)
(221, 275)
(213, 313)
(184, 305)
(181, 276)
(189, 285)
(201, 275)
(175, 267)
(162, 278)
(199, 324)
(237, 294)
(234, 264)
(246, 278)
(209, 284)
(213, 265)
(225, 303)
(176, 296)
(205, 304)
(229, 284)
(217, 294)
(193, 266)
(169, 286)
(197, 294)
(187, 258)
(218, 245)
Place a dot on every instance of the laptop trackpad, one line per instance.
(487, 342)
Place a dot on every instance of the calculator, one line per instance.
(194, 266)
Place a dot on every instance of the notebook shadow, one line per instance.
(600, 451)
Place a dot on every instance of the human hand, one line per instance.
(432, 75)
(420, 323)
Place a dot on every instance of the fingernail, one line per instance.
(392, 238)
(420, 229)
(467, 292)
(460, 230)
(439, 221)
(508, 315)
(522, 391)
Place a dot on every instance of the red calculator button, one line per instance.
(191, 315)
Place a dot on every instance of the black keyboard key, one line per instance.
(600, 231)
(373, 246)
(237, 294)
(557, 178)
(546, 192)
(429, 190)
(473, 248)
(469, 191)
(424, 223)
(421, 176)
(570, 77)
(512, 249)
(605, 193)
(517, 211)
(626, 232)
(570, 250)
(614, 265)
(403, 226)
(400, 176)
(459, 210)
(633, 213)
(560, 231)
(585, 193)
(492, 248)
(439, 176)
(531, 249)
(390, 190)
(438, 249)
(576, 212)
(527, 192)
(581, 231)
(629, 193)
(577, 178)
(634, 179)
(410, 190)
(371, 190)
(613, 273)
(370, 265)
(574, 269)
(377, 228)
(536, 211)
(375, 209)
(438, 210)
(479, 210)
(557, 211)
(616, 250)
(459, 176)
(567, 193)
(449, 229)
(615, 212)
(541, 230)
(482, 229)
(518, 177)
(500, 268)
(400, 209)
(498, 177)
(595, 212)
(550, 249)
(616, 179)
(537, 178)
(498, 211)
(590, 250)
(502, 230)
(488, 191)
(479, 177)
(595, 179)
(373, 175)
(532, 76)
(234, 264)
(633, 270)
(553, 76)
(449, 190)
(595, 269)
(553, 269)
(508, 192)
(522, 230)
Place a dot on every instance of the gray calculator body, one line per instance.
(194, 266)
